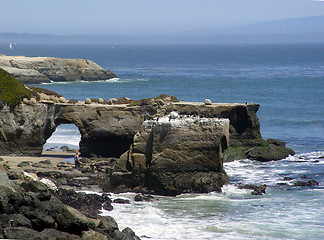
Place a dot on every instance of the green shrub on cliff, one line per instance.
(12, 91)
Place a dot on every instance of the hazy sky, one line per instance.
(144, 16)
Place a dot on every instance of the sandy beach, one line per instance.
(38, 163)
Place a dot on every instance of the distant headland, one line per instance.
(35, 70)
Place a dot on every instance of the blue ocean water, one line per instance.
(287, 80)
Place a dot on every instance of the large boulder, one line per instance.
(20, 233)
(73, 221)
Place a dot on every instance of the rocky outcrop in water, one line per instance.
(46, 69)
(273, 150)
(149, 156)
(108, 130)
(180, 150)
(173, 155)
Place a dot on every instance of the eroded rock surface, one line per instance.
(172, 155)
(108, 130)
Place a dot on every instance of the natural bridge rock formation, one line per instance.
(158, 145)
(180, 150)
(108, 130)
(46, 69)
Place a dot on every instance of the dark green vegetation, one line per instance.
(12, 91)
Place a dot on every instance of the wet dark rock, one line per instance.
(107, 206)
(10, 200)
(13, 175)
(19, 220)
(34, 186)
(39, 219)
(51, 233)
(46, 162)
(73, 221)
(89, 204)
(30, 199)
(103, 165)
(20, 233)
(24, 164)
(50, 174)
(39, 165)
(64, 148)
(107, 225)
(81, 182)
(310, 183)
(44, 196)
(288, 178)
(121, 201)
(272, 150)
(282, 184)
(260, 190)
(257, 190)
(93, 235)
(143, 198)
(129, 234)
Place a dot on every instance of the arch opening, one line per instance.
(65, 136)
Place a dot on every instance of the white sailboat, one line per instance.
(10, 45)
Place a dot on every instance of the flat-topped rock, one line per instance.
(33, 70)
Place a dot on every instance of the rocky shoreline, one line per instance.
(158, 145)
(32, 206)
(35, 70)
(150, 146)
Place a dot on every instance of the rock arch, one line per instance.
(108, 130)
(64, 135)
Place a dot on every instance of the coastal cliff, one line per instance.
(168, 155)
(34, 70)
(158, 144)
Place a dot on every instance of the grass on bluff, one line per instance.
(12, 91)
